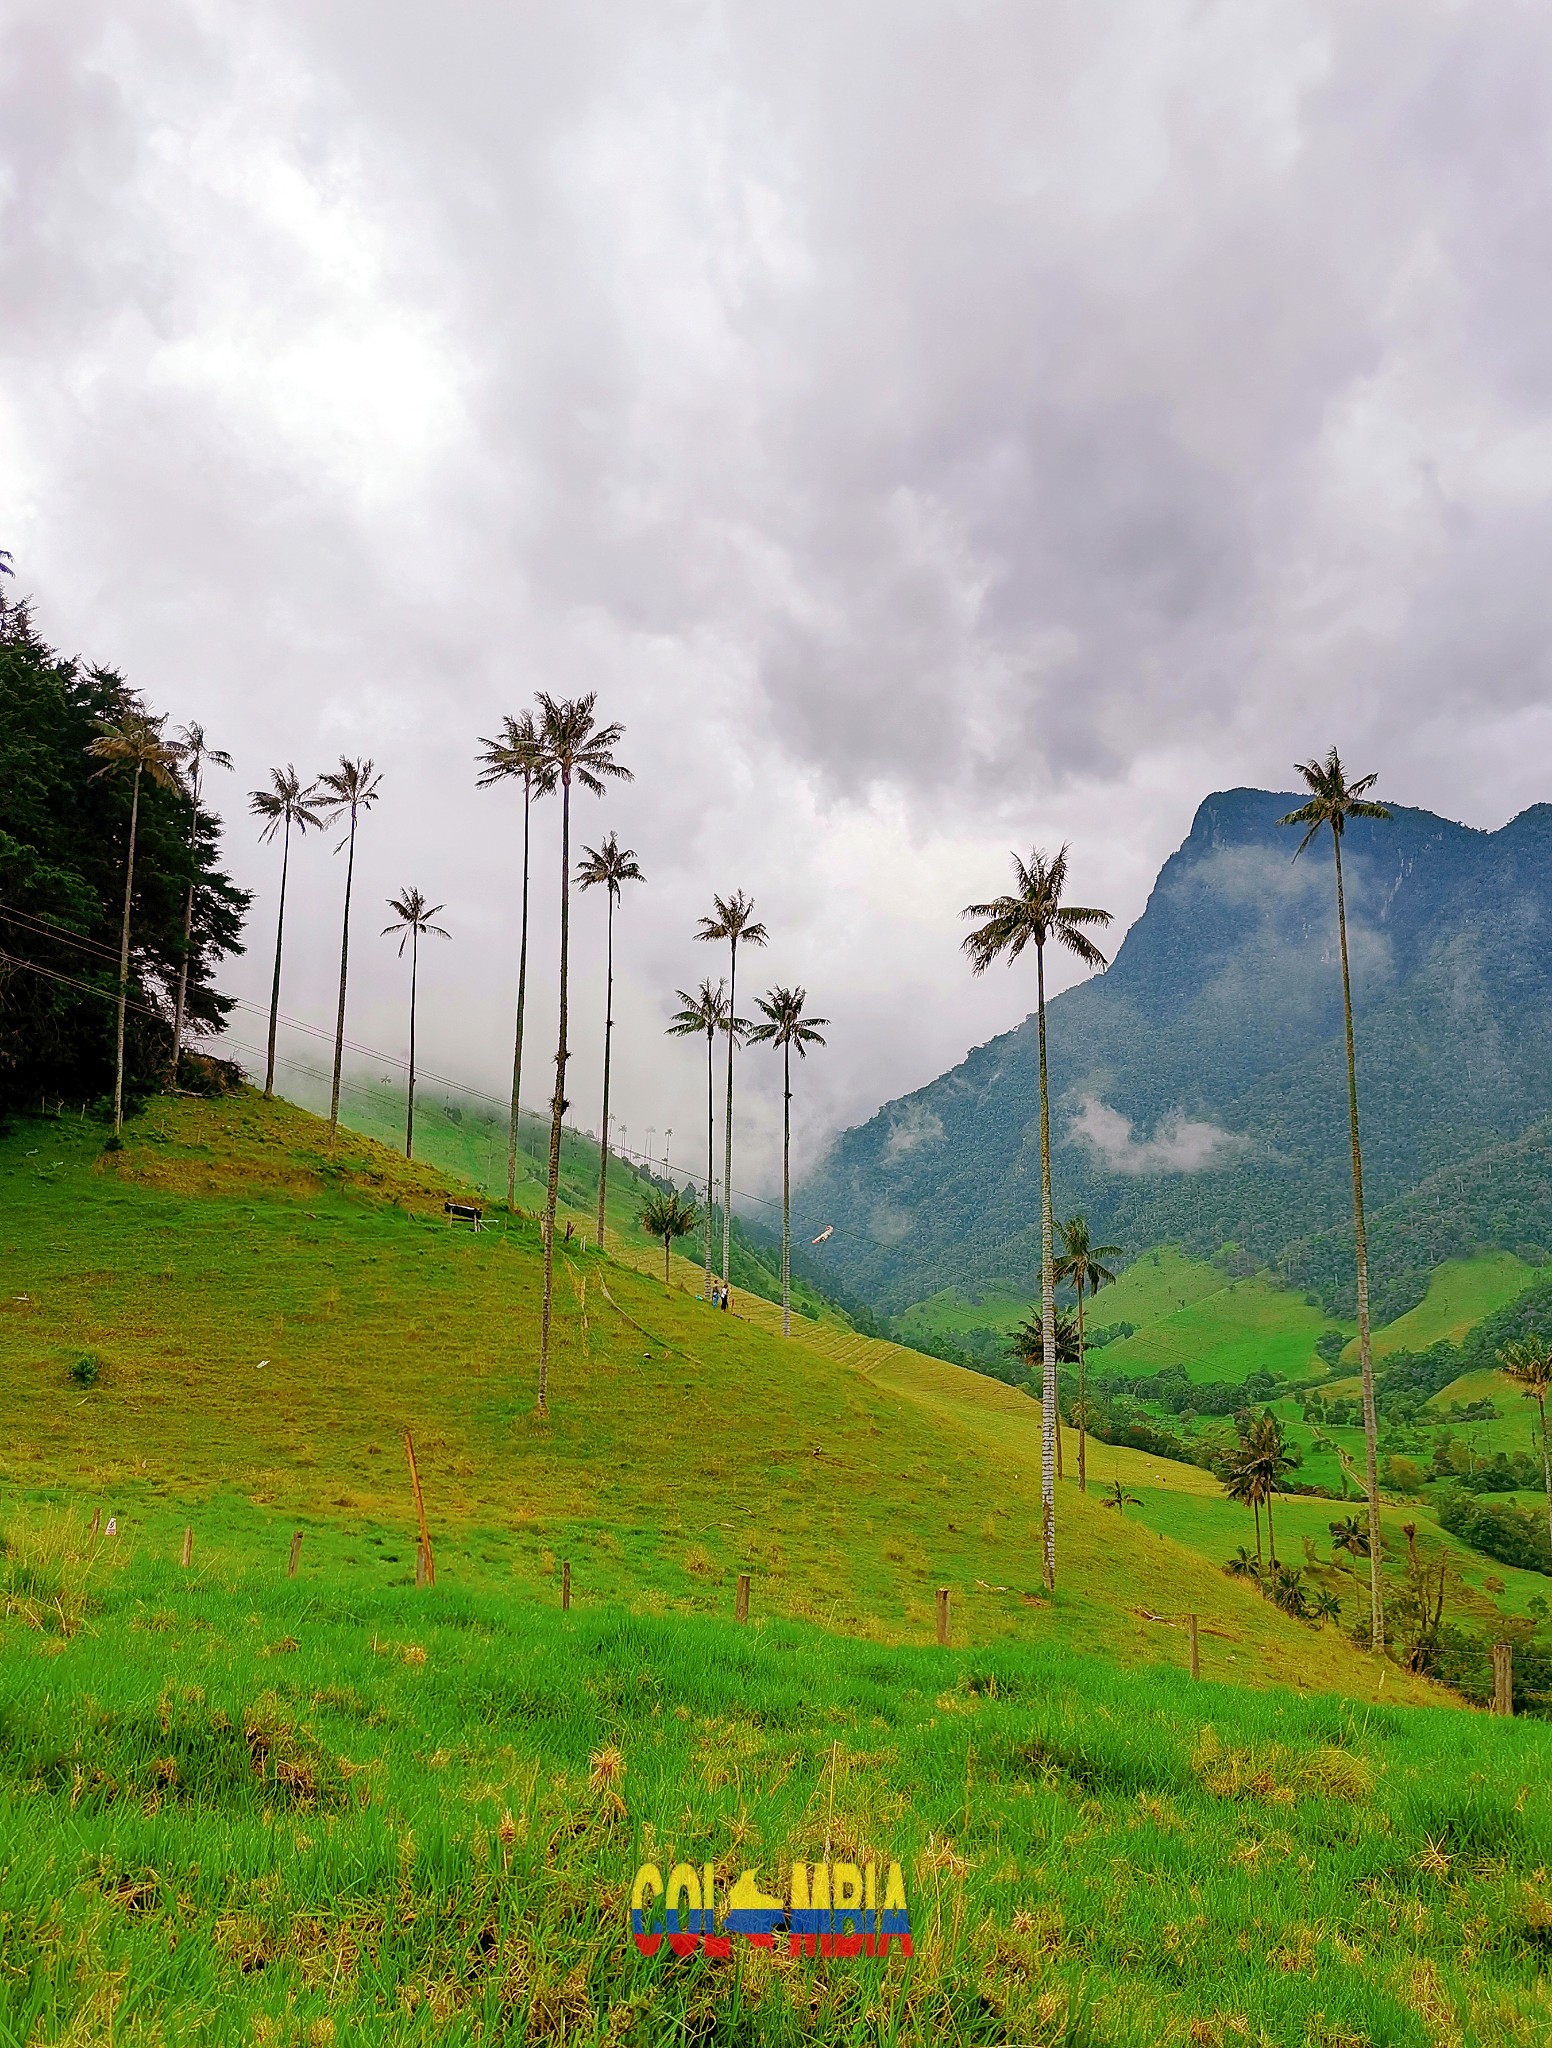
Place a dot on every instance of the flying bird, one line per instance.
(828, 1231)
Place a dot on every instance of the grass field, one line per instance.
(1188, 1314)
(242, 1808)
(1460, 1293)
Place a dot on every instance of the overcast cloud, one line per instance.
(929, 427)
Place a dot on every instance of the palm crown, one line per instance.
(785, 1023)
(706, 1010)
(1034, 915)
(351, 787)
(607, 866)
(285, 802)
(1528, 1362)
(413, 915)
(1333, 799)
(192, 752)
(134, 745)
(572, 747)
(1081, 1264)
(668, 1213)
(518, 752)
(733, 918)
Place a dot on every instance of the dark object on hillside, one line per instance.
(87, 1370)
(464, 1212)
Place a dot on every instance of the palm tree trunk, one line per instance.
(603, 1135)
(409, 1115)
(522, 987)
(129, 884)
(1255, 1503)
(711, 1145)
(1361, 1246)
(665, 1257)
(339, 1026)
(1271, 1533)
(1083, 1405)
(727, 1135)
(558, 1101)
(1047, 1314)
(183, 964)
(1546, 1462)
(274, 993)
(786, 1189)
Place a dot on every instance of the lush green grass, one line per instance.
(235, 1809)
(1225, 1332)
(1460, 1293)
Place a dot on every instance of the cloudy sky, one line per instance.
(929, 425)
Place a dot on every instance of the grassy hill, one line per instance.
(237, 1807)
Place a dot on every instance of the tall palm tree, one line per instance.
(731, 919)
(668, 1214)
(707, 1010)
(607, 867)
(1082, 1267)
(1257, 1471)
(133, 746)
(574, 748)
(284, 804)
(1333, 800)
(517, 756)
(1035, 915)
(786, 1026)
(192, 753)
(412, 915)
(1528, 1362)
(349, 790)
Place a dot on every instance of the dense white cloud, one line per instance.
(1181, 1144)
(929, 427)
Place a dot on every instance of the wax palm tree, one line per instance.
(668, 1214)
(412, 921)
(573, 748)
(284, 804)
(1257, 1473)
(1242, 1565)
(192, 752)
(786, 1026)
(518, 756)
(131, 745)
(1027, 1341)
(348, 791)
(1082, 1268)
(1528, 1362)
(1348, 1535)
(1333, 800)
(732, 919)
(1324, 1606)
(707, 1010)
(607, 867)
(1035, 915)
(1119, 1499)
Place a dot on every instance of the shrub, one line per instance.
(87, 1369)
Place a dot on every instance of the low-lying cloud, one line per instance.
(914, 1126)
(1180, 1144)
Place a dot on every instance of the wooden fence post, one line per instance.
(943, 1615)
(565, 1585)
(91, 1533)
(741, 1598)
(1196, 1655)
(1503, 1678)
(188, 1547)
(420, 1511)
(296, 1551)
(420, 1562)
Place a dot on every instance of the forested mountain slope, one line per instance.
(1197, 1086)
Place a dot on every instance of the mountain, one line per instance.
(1198, 1090)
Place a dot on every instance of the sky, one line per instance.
(932, 427)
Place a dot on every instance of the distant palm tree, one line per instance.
(1119, 1499)
(348, 791)
(518, 756)
(607, 867)
(1257, 1472)
(413, 915)
(284, 804)
(192, 753)
(133, 746)
(1242, 1565)
(731, 919)
(1035, 915)
(1528, 1362)
(668, 1214)
(1027, 1341)
(786, 1026)
(707, 1010)
(574, 748)
(1081, 1266)
(1333, 800)
(1349, 1535)
(1325, 1606)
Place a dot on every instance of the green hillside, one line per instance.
(1460, 1293)
(237, 1807)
